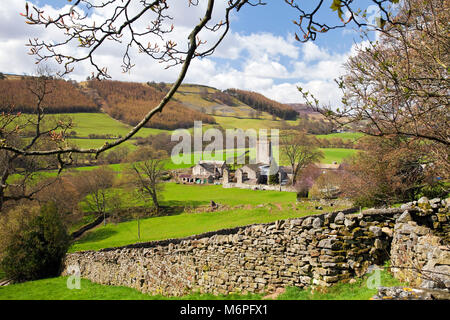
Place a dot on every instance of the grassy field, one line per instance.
(56, 289)
(343, 135)
(185, 194)
(95, 143)
(336, 154)
(176, 226)
(241, 207)
(244, 124)
(96, 123)
(330, 155)
(194, 195)
(101, 123)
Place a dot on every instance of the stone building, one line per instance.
(257, 174)
(208, 168)
(205, 171)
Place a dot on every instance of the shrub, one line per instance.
(438, 189)
(38, 246)
(389, 170)
(13, 221)
(327, 186)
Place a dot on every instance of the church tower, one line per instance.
(264, 151)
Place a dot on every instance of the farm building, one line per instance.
(208, 168)
(259, 174)
(205, 171)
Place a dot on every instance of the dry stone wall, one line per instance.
(420, 251)
(269, 187)
(314, 250)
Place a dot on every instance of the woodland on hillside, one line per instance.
(129, 102)
(259, 102)
(63, 97)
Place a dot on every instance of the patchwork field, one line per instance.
(102, 124)
(330, 155)
(191, 97)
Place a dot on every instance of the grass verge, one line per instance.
(56, 289)
(360, 290)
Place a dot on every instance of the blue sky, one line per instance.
(259, 54)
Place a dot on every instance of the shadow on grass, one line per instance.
(97, 235)
(183, 204)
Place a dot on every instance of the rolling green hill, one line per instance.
(92, 129)
(102, 124)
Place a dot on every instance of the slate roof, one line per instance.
(208, 167)
(254, 166)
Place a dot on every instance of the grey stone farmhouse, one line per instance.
(205, 171)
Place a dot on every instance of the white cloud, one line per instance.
(326, 91)
(238, 79)
(312, 52)
(266, 68)
(285, 92)
(259, 44)
(271, 64)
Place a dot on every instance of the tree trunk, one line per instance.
(155, 201)
(2, 198)
(139, 228)
(294, 175)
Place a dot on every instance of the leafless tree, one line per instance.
(147, 179)
(348, 12)
(146, 25)
(305, 180)
(96, 186)
(399, 85)
(63, 192)
(121, 26)
(18, 173)
(300, 151)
